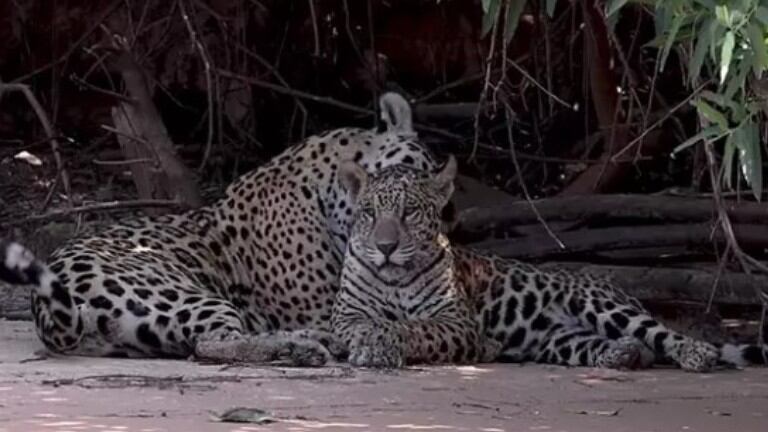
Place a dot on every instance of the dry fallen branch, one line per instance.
(103, 206)
(600, 207)
(605, 239)
(120, 162)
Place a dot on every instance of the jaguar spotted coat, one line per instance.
(265, 258)
(407, 295)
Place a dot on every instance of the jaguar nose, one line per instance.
(386, 247)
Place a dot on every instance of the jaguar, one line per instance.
(408, 295)
(399, 300)
(258, 268)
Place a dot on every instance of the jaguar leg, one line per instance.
(217, 333)
(583, 347)
(615, 319)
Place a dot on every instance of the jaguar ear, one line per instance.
(396, 113)
(353, 177)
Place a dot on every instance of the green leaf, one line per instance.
(728, 154)
(551, 8)
(757, 177)
(718, 32)
(613, 6)
(737, 81)
(751, 108)
(726, 54)
(708, 132)
(737, 18)
(761, 13)
(677, 21)
(721, 101)
(747, 140)
(721, 12)
(700, 51)
(486, 5)
(757, 40)
(711, 114)
(491, 16)
(656, 42)
(707, 3)
(514, 10)
(661, 21)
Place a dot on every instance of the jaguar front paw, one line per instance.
(698, 356)
(378, 349)
(490, 350)
(626, 353)
(331, 342)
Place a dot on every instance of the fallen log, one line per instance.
(651, 208)
(602, 239)
(678, 285)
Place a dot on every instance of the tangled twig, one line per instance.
(76, 45)
(47, 127)
(747, 262)
(296, 93)
(523, 186)
(210, 81)
(103, 206)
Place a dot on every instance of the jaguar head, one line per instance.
(397, 218)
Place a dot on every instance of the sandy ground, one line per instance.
(81, 394)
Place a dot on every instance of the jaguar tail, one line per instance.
(57, 319)
(745, 355)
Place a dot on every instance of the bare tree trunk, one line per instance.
(143, 136)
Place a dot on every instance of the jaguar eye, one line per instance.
(369, 211)
(409, 211)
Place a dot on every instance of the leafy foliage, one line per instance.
(724, 42)
(725, 46)
(512, 10)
